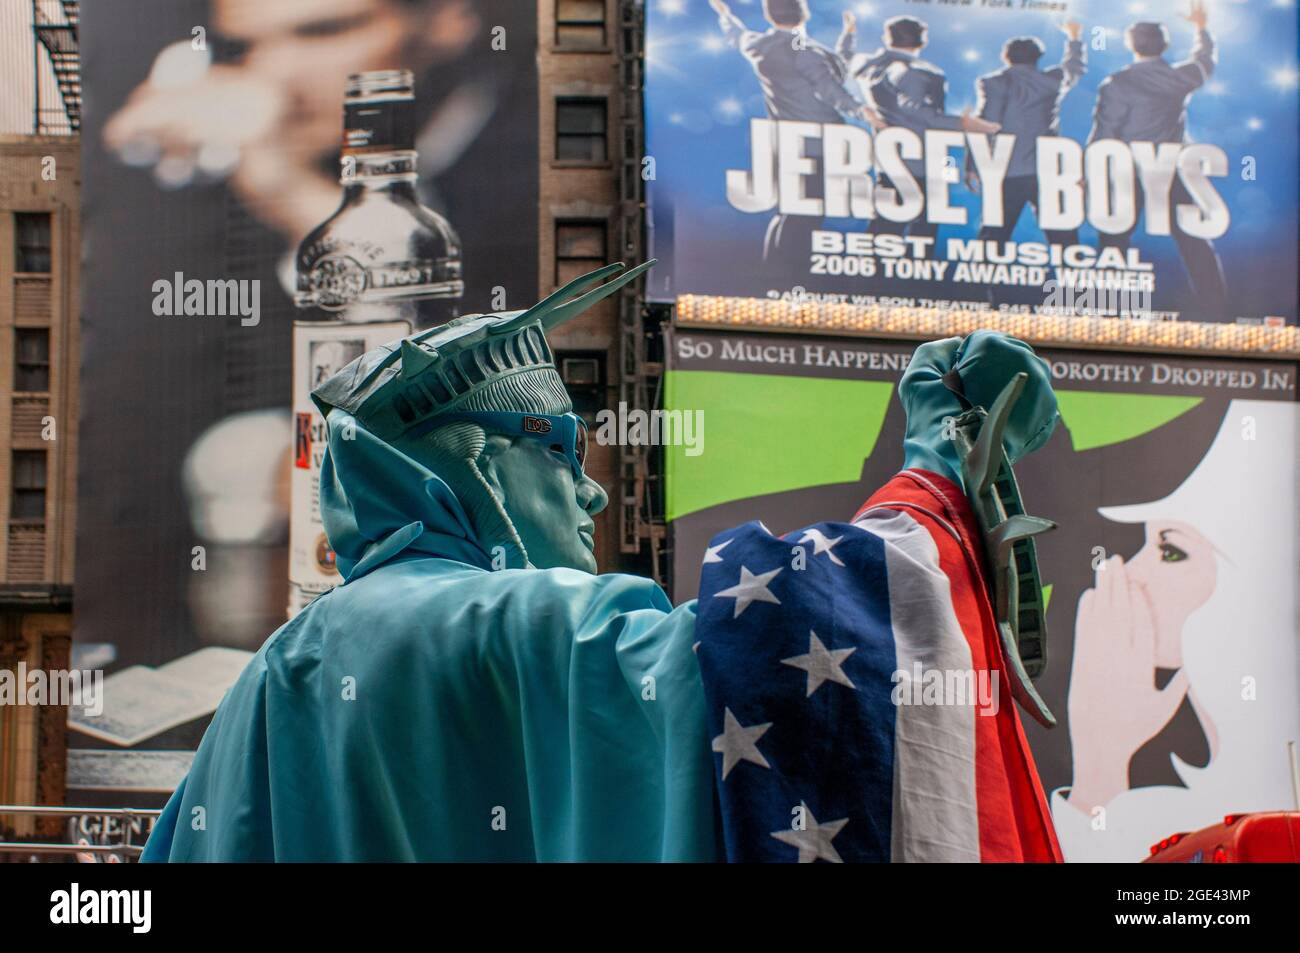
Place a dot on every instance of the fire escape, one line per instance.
(54, 23)
(643, 532)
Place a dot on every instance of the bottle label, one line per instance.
(337, 281)
(319, 351)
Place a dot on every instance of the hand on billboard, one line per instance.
(1114, 706)
(223, 122)
(971, 123)
(720, 7)
(1197, 15)
(850, 22)
(1072, 29)
(203, 123)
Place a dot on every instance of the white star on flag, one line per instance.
(711, 553)
(751, 588)
(815, 839)
(738, 743)
(821, 544)
(821, 664)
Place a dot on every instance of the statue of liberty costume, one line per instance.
(473, 691)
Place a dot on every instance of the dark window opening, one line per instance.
(28, 501)
(32, 360)
(580, 247)
(583, 373)
(580, 24)
(580, 130)
(32, 242)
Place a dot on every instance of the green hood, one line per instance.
(377, 502)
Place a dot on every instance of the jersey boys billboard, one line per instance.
(1064, 157)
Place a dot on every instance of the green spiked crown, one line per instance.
(498, 361)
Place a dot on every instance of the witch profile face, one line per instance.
(1175, 572)
(1170, 638)
(1127, 677)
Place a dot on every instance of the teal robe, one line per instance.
(431, 709)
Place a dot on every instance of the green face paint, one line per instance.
(552, 513)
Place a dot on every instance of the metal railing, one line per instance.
(641, 524)
(79, 833)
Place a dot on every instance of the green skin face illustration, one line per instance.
(551, 513)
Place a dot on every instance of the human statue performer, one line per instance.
(474, 691)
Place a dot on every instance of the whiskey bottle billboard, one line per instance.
(381, 267)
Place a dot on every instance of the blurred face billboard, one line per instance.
(212, 141)
(1064, 158)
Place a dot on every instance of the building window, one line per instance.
(583, 373)
(28, 502)
(580, 24)
(32, 242)
(580, 130)
(32, 360)
(579, 248)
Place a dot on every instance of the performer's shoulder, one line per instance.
(751, 42)
(1125, 75)
(896, 70)
(928, 68)
(866, 61)
(820, 48)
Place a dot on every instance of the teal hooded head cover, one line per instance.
(377, 502)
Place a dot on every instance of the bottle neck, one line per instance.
(380, 122)
(379, 141)
(393, 171)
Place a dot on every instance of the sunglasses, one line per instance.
(566, 434)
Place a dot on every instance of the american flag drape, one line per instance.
(857, 699)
